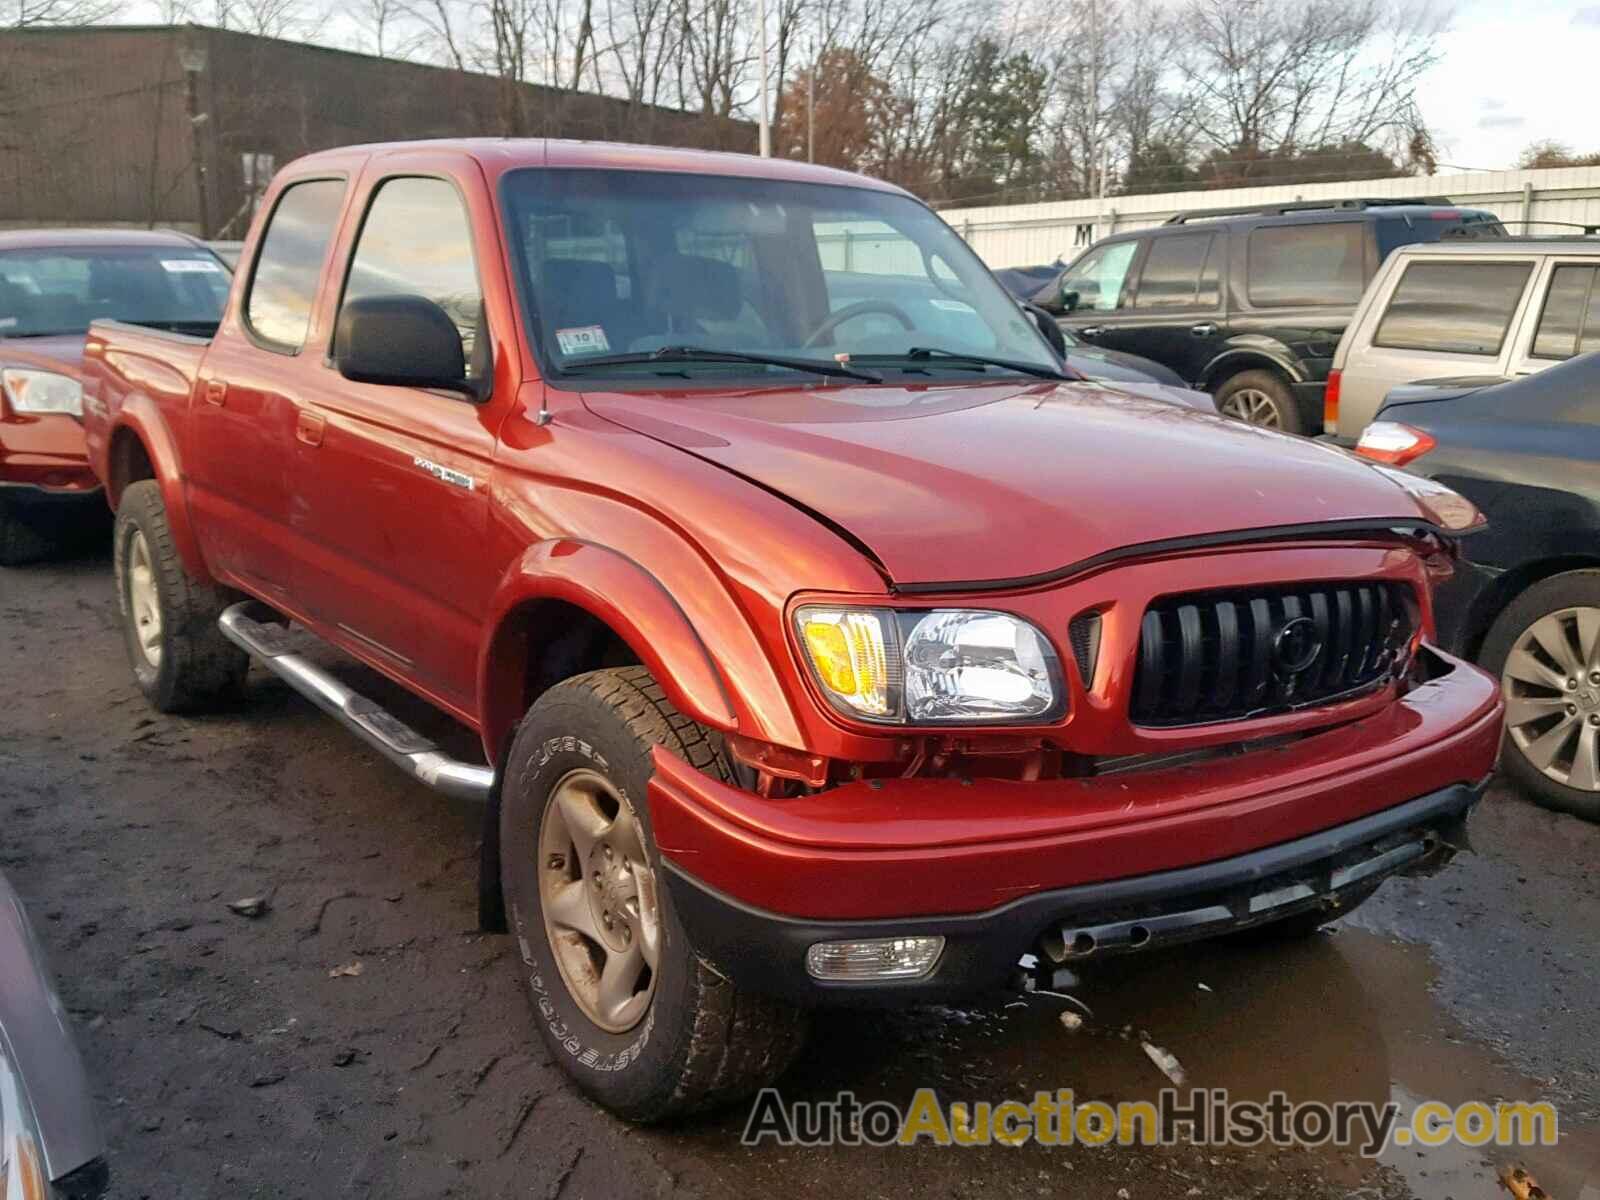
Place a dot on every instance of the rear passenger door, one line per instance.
(1444, 318)
(1175, 314)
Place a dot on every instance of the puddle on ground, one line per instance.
(1346, 1017)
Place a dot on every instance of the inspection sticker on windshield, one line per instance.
(10, 322)
(191, 266)
(955, 306)
(585, 339)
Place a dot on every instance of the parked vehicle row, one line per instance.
(828, 640)
(1247, 304)
(52, 284)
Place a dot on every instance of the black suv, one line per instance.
(1246, 303)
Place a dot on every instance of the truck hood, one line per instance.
(63, 353)
(1002, 481)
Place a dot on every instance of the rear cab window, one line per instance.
(288, 267)
(1295, 266)
(1459, 307)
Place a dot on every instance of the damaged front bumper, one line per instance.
(1071, 868)
(766, 952)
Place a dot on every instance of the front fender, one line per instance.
(631, 601)
(140, 417)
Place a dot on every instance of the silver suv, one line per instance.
(1454, 310)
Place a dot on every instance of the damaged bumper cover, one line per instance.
(1071, 868)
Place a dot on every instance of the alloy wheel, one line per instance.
(1254, 407)
(144, 601)
(598, 893)
(1551, 684)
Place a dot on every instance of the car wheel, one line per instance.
(1260, 398)
(1545, 647)
(20, 542)
(179, 656)
(625, 1004)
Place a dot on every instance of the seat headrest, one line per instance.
(694, 286)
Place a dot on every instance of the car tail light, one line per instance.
(1393, 443)
(1330, 403)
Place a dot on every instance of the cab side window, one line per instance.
(1570, 323)
(416, 241)
(1173, 275)
(1099, 277)
(284, 287)
(1453, 307)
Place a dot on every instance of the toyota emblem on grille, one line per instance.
(1297, 645)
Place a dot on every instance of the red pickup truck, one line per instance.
(827, 641)
(53, 282)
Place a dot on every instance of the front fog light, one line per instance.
(874, 958)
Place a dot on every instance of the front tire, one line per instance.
(179, 656)
(1545, 649)
(1260, 398)
(641, 1023)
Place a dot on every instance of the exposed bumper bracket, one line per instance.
(376, 726)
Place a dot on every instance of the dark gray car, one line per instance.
(50, 1141)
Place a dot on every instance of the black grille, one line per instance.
(1222, 656)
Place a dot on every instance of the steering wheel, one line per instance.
(850, 312)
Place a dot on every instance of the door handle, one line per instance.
(216, 392)
(308, 427)
(1091, 331)
(1204, 329)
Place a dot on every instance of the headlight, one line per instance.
(931, 666)
(1448, 509)
(41, 392)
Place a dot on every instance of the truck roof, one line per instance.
(33, 239)
(498, 155)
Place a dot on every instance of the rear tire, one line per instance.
(179, 656)
(674, 1036)
(20, 541)
(1524, 650)
(1260, 398)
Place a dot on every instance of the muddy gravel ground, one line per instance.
(229, 1061)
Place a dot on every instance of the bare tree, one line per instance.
(24, 14)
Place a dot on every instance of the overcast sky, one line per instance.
(1513, 72)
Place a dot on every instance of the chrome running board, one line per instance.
(376, 726)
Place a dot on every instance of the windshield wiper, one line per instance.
(687, 354)
(956, 357)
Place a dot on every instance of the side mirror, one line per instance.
(400, 341)
(1047, 326)
(1069, 299)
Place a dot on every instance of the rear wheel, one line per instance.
(625, 1004)
(169, 621)
(1260, 398)
(1545, 647)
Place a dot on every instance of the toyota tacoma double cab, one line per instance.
(827, 642)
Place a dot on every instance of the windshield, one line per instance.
(59, 290)
(626, 263)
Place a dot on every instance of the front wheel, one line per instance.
(1545, 647)
(622, 999)
(1260, 398)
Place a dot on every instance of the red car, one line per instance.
(827, 642)
(53, 282)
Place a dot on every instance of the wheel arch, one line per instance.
(1237, 360)
(140, 447)
(1506, 587)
